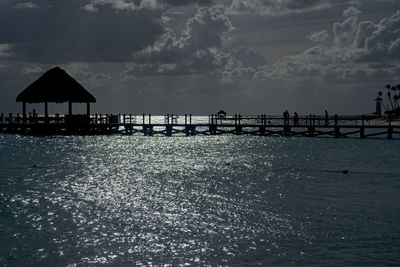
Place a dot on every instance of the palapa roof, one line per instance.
(55, 86)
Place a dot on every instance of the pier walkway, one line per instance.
(188, 125)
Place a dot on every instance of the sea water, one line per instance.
(210, 201)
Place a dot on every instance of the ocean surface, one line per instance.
(209, 201)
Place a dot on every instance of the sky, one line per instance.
(201, 56)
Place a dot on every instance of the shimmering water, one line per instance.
(227, 200)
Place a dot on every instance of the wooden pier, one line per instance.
(187, 125)
(57, 86)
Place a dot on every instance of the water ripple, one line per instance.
(199, 201)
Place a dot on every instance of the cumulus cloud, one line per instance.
(318, 37)
(208, 28)
(201, 47)
(359, 51)
(383, 40)
(351, 11)
(345, 32)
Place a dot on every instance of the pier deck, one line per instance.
(186, 125)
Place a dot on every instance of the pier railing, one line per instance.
(171, 119)
(214, 124)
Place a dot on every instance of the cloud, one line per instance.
(359, 52)
(26, 5)
(351, 11)
(5, 51)
(61, 32)
(202, 47)
(318, 37)
(381, 41)
(345, 32)
(279, 7)
(198, 48)
(187, 2)
(208, 28)
(93, 5)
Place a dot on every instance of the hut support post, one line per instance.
(24, 112)
(46, 112)
(69, 108)
(88, 108)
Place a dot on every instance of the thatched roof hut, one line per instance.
(55, 86)
(221, 114)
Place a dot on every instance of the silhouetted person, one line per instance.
(286, 117)
(296, 119)
(326, 118)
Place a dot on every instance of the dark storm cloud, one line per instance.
(61, 31)
(203, 46)
(278, 7)
(175, 50)
(187, 2)
(208, 28)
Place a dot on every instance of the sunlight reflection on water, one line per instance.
(170, 200)
(202, 200)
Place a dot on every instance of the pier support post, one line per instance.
(362, 128)
(311, 131)
(390, 132)
(262, 130)
(362, 132)
(286, 130)
(128, 129)
(238, 130)
(337, 131)
(148, 130)
(168, 130)
(213, 129)
(190, 130)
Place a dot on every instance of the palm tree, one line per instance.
(398, 95)
(389, 95)
(395, 97)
